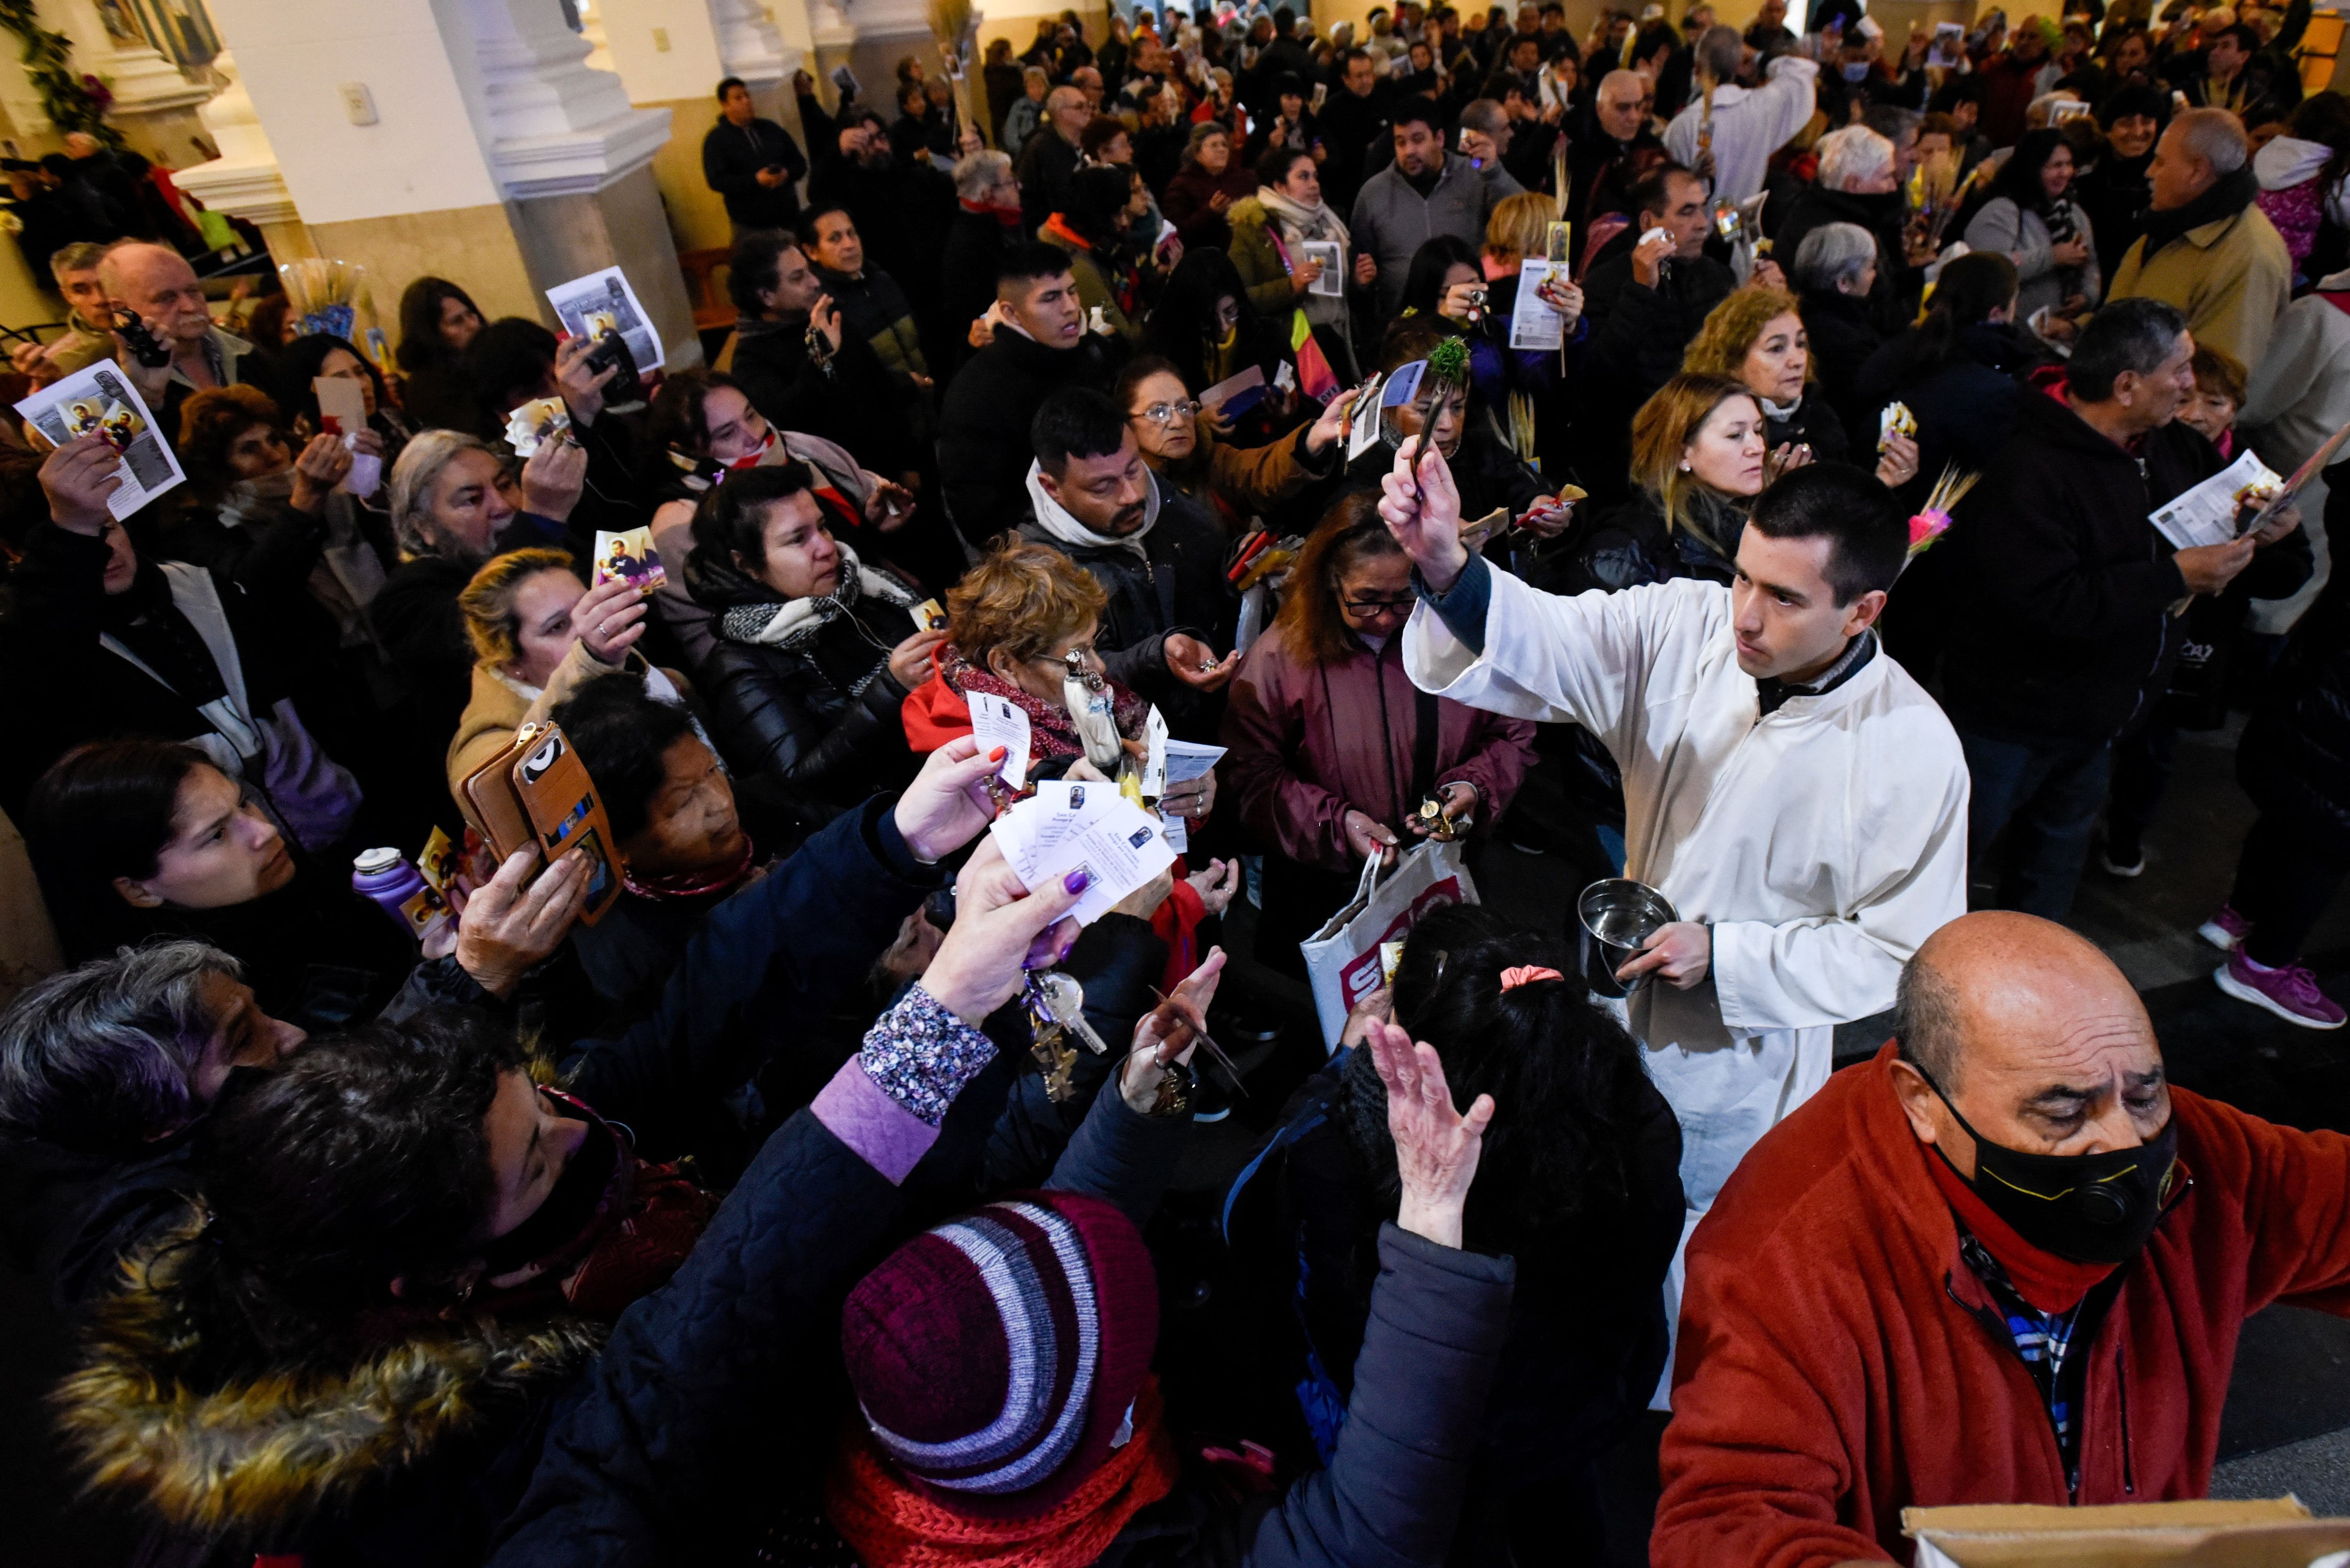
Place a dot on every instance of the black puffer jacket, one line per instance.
(1630, 545)
(1964, 398)
(1843, 338)
(818, 709)
(983, 442)
(2068, 631)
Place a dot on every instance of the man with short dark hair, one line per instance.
(839, 392)
(1167, 632)
(1760, 713)
(2065, 632)
(1645, 294)
(1354, 126)
(1037, 344)
(875, 308)
(2241, 78)
(1976, 1270)
(1422, 194)
(752, 162)
(2209, 250)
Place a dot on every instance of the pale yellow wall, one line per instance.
(697, 214)
(473, 245)
(564, 237)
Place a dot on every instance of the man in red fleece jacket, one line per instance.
(2004, 1261)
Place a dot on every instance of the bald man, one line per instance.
(2003, 1261)
(1049, 160)
(1610, 152)
(2207, 247)
(157, 283)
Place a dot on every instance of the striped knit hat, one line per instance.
(996, 1358)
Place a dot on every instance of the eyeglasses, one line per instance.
(1170, 414)
(1378, 606)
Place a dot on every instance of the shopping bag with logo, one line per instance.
(1342, 959)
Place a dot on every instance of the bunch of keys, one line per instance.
(1056, 1010)
(1444, 829)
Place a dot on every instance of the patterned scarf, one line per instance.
(1051, 733)
(893, 1524)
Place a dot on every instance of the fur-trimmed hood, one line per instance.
(262, 1457)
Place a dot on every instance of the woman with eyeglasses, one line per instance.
(1021, 627)
(1203, 326)
(1235, 482)
(1331, 751)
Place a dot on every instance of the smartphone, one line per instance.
(143, 345)
(563, 808)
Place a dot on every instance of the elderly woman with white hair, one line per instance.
(1859, 183)
(1833, 273)
(454, 503)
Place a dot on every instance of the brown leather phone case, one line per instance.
(536, 794)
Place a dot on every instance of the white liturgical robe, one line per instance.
(1823, 843)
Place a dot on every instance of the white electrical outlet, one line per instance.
(660, 40)
(359, 104)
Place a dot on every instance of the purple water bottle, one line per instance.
(386, 877)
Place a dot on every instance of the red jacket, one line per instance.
(1831, 1374)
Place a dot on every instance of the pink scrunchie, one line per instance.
(1525, 973)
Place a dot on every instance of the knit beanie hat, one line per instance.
(997, 1358)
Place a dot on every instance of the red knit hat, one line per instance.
(997, 1358)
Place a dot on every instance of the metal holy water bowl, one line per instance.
(1613, 918)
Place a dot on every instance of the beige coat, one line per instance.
(497, 710)
(2233, 279)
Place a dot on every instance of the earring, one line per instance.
(1685, 468)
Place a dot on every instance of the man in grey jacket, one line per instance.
(1420, 195)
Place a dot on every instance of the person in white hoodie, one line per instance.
(1728, 132)
(2304, 175)
(1798, 799)
(1169, 629)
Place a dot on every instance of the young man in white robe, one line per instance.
(1795, 796)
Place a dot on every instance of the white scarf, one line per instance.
(1300, 222)
(1054, 519)
(802, 618)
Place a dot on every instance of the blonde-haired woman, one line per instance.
(1756, 337)
(1698, 460)
(538, 632)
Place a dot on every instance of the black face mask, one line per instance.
(2089, 1207)
(569, 1214)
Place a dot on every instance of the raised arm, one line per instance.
(1484, 638)
(662, 1457)
(1391, 1497)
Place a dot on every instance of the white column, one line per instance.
(551, 125)
(245, 180)
(674, 51)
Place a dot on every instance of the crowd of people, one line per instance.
(727, 1188)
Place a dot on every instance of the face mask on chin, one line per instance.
(613, 1230)
(2085, 1207)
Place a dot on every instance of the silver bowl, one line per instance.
(1613, 918)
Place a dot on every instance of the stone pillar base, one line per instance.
(622, 225)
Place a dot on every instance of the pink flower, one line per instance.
(1926, 527)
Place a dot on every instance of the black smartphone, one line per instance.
(144, 348)
(625, 388)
